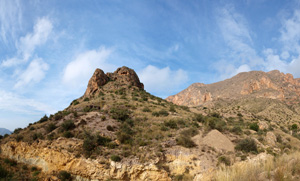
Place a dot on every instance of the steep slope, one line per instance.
(4, 131)
(254, 84)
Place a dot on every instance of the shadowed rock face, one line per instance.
(273, 84)
(122, 76)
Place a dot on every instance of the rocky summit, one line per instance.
(254, 84)
(122, 76)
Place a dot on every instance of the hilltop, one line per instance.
(4, 131)
(117, 130)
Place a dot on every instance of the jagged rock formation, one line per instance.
(273, 84)
(122, 76)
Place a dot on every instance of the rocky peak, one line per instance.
(122, 76)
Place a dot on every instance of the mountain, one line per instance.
(118, 131)
(254, 84)
(4, 131)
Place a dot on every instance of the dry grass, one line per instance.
(285, 167)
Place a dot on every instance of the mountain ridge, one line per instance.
(273, 84)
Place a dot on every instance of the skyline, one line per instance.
(50, 49)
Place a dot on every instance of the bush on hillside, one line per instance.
(246, 145)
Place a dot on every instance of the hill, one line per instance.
(118, 131)
(254, 84)
(4, 131)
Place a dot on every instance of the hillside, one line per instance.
(118, 131)
(254, 84)
(4, 131)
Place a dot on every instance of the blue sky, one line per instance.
(49, 49)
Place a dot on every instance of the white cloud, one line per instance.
(79, 70)
(15, 103)
(10, 19)
(290, 34)
(27, 44)
(33, 74)
(241, 55)
(162, 80)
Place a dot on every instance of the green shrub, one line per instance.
(64, 175)
(185, 141)
(156, 114)
(68, 125)
(254, 126)
(171, 124)
(74, 102)
(172, 108)
(146, 109)
(198, 118)
(237, 130)
(120, 114)
(36, 173)
(216, 123)
(86, 99)
(110, 128)
(58, 116)
(294, 127)
(43, 119)
(224, 159)
(103, 141)
(115, 158)
(163, 112)
(19, 138)
(246, 145)
(3, 173)
(216, 115)
(17, 130)
(50, 127)
(68, 134)
(190, 132)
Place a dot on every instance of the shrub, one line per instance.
(190, 132)
(156, 114)
(110, 128)
(58, 116)
(74, 102)
(216, 123)
(246, 145)
(50, 127)
(64, 175)
(86, 99)
(294, 127)
(163, 112)
(68, 134)
(254, 126)
(171, 124)
(172, 108)
(103, 141)
(88, 144)
(115, 158)
(120, 114)
(224, 159)
(146, 109)
(68, 125)
(43, 119)
(216, 115)
(185, 141)
(239, 115)
(237, 130)
(198, 118)
(3, 173)
(19, 138)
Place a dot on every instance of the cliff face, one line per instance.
(51, 158)
(273, 84)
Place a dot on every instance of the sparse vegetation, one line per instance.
(247, 145)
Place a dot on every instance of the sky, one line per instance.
(49, 49)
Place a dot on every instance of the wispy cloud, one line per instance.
(162, 81)
(12, 102)
(26, 45)
(79, 70)
(33, 74)
(10, 19)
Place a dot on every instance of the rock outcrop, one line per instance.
(53, 160)
(273, 85)
(123, 76)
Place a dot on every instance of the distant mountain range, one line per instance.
(4, 131)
